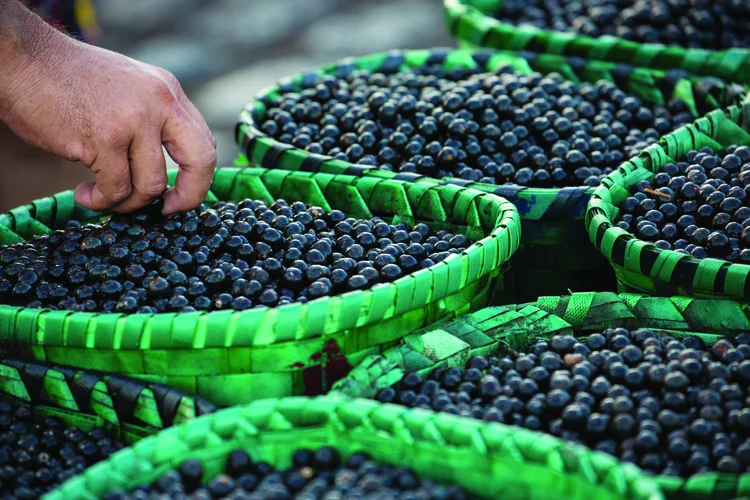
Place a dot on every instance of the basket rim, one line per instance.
(570, 314)
(470, 13)
(354, 422)
(44, 386)
(506, 229)
(599, 225)
(252, 140)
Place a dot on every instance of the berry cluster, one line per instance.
(699, 207)
(498, 128)
(232, 256)
(36, 457)
(671, 406)
(707, 24)
(313, 475)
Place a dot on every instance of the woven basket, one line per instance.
(555, 255)
(232, 357)
(130, 409)
(470, 21)
(489, 460)
(519, 326)
(641, 266)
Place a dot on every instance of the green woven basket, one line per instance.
(518, 326)
(130, 409)
(489, 460)
(640, 266)
(233, 357)
(555, 254)
(471, 22)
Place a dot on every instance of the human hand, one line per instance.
(113, 114)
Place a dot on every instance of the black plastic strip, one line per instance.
(312, 162)
(458, 182)
(482, 57)
(537, 45)
(529, 55)
(358, 170)
(82, 386)
(167, 402)
(618, 250)
(33, 378)
(621, 74)
(556, 209)
(437, 56)
(684, 273)
(508, 192)
(600, 234)
(648, 258)
(203, 407)
(273, 154)
(721, 277)
(124, 394)
(407, 177)
(577, 63)
(70, 375)
(392, 63)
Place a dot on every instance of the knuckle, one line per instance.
(118, 193)
(210, 158)
(154, 189)
(161, 89)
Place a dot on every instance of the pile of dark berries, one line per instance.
(699, 207)
(671, 406)
(37, 456)
(707, 24)
(498, 128)
(232, 256)
(314, 475)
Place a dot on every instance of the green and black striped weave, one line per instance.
(85, 398)
(641, 266)
(555, 254)
(653, 86)
(471, 22)
(518, 326)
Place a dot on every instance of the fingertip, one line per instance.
(173, 203)
(84, 194)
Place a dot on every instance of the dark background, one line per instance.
(223, 52)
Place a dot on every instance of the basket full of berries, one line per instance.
(538, 130)
(336, 448)
(708, 38)
(57, 421)
(674, 219)
(274, 287)
(655, 381)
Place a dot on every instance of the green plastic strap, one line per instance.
(490, 461)
(578, 307)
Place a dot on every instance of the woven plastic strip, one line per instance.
(642, 267)
(653, 86)
(516, 327)
(491, 461)
(471, 23)
(88, 398)
(232, 357)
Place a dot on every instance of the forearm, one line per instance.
(26, 43)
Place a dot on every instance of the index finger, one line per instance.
(189, 147)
